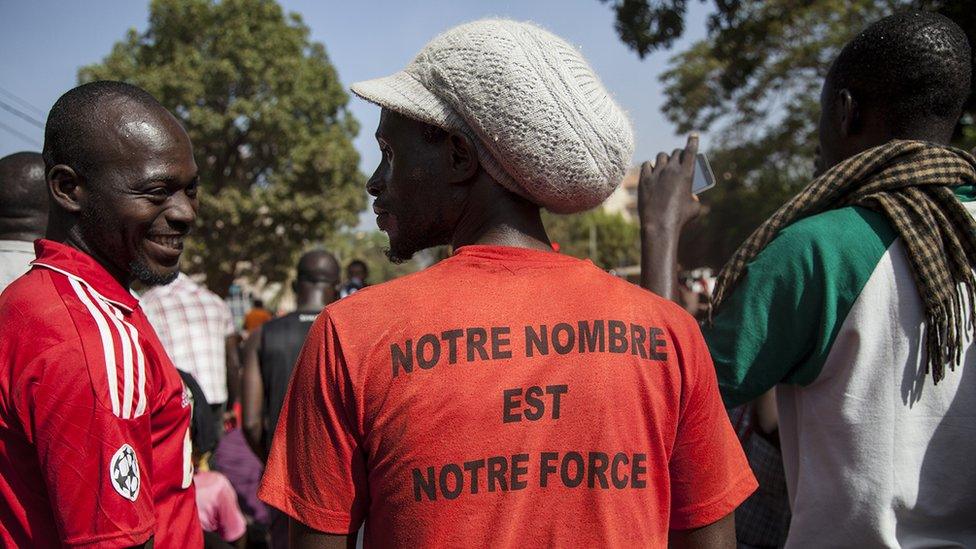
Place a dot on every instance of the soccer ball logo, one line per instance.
(124, 472)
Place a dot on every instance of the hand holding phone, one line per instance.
(703, 178)
(663, 197)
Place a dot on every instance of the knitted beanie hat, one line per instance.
(544, 125)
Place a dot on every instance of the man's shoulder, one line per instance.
(211, 299)
(39, 321)
(438, 282)
(843, 231)
(34, 302)
(182, 292)
(387, 293)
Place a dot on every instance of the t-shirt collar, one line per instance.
(512, 253)
(80, 266)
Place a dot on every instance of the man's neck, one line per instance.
(495, 216)
(72, 237)
(311, 304)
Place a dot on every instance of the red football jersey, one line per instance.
(94, 446)
(505, 398)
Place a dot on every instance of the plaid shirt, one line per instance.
(193, 324)
(763, 520)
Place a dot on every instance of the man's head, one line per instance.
(421, 184)
(122, 179)
(357, 270)
(904, 77)
(318, 276)
(497, 101)
(23, 197)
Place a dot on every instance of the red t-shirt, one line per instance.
(93, 420)
(505, 397)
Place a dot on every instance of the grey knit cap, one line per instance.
(544, 125)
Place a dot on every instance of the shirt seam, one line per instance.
(705, 513)
(86, 283)
(323, 516)
(105, 537)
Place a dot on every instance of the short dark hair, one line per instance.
(358, 262)
(912, 67)
(69, 136)
(23, 193)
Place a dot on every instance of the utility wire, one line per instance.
(23, 102)
(21, 114)
(20, 134)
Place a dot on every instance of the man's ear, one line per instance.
(849, 112)
(464, 157)
(66, 188)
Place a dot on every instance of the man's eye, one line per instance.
(191, 189)
(156, 192)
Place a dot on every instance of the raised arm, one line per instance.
(665, 204)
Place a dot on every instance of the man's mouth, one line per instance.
(173, 242)
(383, 218)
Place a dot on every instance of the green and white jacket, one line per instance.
(875, 455)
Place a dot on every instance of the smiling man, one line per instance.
(490, 401)
(94, 419)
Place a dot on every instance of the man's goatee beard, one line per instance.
(143, 274)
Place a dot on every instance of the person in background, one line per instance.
(217, 504)
(490, 400)
(203, 428)
(23, 212)
(197, 330)
(271, 351)
(357, 274)
(856, 298)
(269, 357)
(257, 316)
(238, 305)
(95, 420)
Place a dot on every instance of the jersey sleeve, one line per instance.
(779, 322)
(709, 474)
(95, 464)
(327, 493)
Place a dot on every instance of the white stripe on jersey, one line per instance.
(108, 347)
(133, 336)
(127, 374)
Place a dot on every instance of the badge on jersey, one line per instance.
(124, 472)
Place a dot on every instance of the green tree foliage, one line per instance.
(270, 128)
(370, 247)
(754, 81)
(606, 238)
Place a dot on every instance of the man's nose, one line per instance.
(183, 212)
(374, 185)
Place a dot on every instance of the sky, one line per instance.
(44, 42)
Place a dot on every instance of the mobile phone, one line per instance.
(703, 179)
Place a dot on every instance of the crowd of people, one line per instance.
(508, 395)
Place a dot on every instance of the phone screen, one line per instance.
(704, 179)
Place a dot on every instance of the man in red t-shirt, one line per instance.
(94, 418)
(490, 400)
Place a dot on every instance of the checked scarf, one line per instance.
(909, 182)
